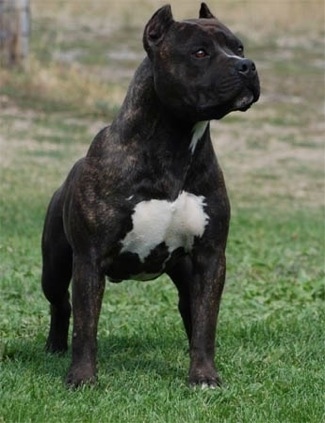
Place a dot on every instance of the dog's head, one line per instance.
(200, 71)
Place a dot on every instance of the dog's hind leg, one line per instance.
(56, 276)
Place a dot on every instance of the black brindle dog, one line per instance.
(149, 197)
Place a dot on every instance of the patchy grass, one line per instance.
(270, 344)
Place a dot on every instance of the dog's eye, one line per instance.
(240, 49)
(200, 54)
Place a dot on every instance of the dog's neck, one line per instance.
(144, 116)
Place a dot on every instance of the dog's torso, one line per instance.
(144, 205)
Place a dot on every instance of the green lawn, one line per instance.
(270, 346)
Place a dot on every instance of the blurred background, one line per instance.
(79, 56)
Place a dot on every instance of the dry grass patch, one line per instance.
(260, 16)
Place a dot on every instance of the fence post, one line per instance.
(14, 32)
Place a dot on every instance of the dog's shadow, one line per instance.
(158, 357)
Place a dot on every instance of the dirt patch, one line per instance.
(264, 161)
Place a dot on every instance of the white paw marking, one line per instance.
(207, 386)
(175, 223)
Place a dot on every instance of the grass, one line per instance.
(271, 327)
(270, 334)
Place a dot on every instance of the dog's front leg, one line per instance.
(206, 290)
(87, 293)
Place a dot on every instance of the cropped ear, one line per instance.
(156, 28)
(205, 12)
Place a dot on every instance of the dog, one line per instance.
(149, 197)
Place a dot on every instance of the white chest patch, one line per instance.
(198, 131)
(175, 223)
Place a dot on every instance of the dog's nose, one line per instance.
(246, 67)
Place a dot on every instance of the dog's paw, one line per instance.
(204, 378)
(80, 376)
(207, 384)
(57, 346)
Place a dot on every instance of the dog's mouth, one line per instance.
(245, 98)
(241, 102)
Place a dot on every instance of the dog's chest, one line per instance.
(160, 221)
(159, 228)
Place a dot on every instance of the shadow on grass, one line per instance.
(119, 357)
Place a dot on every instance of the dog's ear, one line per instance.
(205, 12)
(157, 28)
